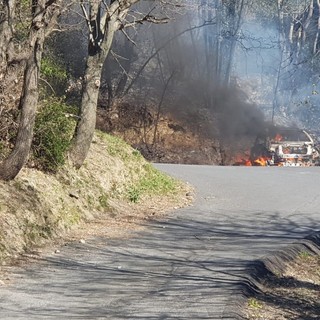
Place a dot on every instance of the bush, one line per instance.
(53, 131)
(152, 181)
(52, 69)
(54, 74)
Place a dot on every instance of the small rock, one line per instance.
(119, 267)
(189, 194)
(82, 241)
(57, 251)
(74, 194)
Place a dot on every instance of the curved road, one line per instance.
(187, 267)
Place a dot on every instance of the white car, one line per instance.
(285, 146)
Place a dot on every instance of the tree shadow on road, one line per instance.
(194, 267)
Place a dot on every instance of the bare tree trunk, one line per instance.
(12, 165)
(316, 38)
(102, 25)
(308, 21)
(125, 66)
(275, 101)
(7, 74)
(99, 47)
(85, 127)
(7, 11)
(234, 33)
(159, 109)
(195, 49)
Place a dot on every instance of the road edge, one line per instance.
(258, 270)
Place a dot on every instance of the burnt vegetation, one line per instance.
(185, 82)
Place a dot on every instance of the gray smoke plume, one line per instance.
(237, 118)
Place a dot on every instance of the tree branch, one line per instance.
(162, 47)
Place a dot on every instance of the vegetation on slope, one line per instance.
(115, 180)
(291, 294)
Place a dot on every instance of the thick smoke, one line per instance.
(221, 83)
(199, 93)
(237, 118)
(281, 83)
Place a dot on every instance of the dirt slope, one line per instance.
(163, 137)
(37, 208)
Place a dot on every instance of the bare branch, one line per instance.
(119, 63)
(48, 84)
(162, 47)
(128, 37)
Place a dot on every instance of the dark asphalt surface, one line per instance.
(187, 267)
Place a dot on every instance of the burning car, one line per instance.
(284, 146)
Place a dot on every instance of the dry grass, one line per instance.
(37, 209)
(291, 296)
(167, 140)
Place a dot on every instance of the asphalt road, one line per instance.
(187, 267)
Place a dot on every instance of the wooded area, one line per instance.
(236, 62)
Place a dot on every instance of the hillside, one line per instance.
(114, 191)
(164, 137)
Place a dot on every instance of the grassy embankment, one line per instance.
(115, 184)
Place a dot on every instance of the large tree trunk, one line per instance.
(236, 18)
(102, 25)
(86, 125)
(11, 166)
(7, 11)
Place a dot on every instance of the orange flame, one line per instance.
(261, 161)
(242, 159)
(278, 137)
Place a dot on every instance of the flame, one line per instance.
(278, 137)
(242, 159)
(261, 161)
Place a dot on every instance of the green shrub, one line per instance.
(152, 181)
(53, 132)
(54, 75)
(52, 69)
(156, 182)
(134, 194)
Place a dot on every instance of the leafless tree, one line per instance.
(43, 16)
(103, 20)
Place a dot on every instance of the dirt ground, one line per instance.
(293, 295)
